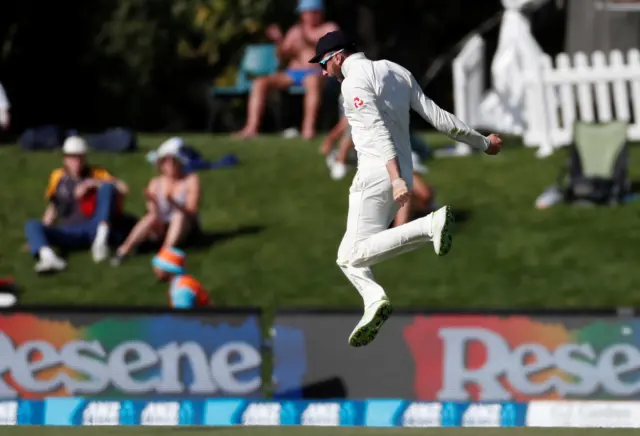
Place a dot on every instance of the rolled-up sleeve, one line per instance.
(444, 121)
(366, 114)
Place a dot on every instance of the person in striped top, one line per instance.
(185, 291)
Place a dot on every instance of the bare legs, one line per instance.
(280, 81)
(179, 227)
(257, 99)
(313, 88)
(151, 227)
(146, 228)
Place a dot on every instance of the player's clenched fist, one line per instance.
(400, 191)
(495, 146)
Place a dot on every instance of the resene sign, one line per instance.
(463, 358)
(522, 358)
(121, 355)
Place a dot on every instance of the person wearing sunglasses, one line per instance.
(378, 97)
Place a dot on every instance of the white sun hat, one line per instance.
(169, 148)
(75, 145)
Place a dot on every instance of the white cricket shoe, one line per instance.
(50, 262)
(100, 246)
(441, 220)
(374, 317)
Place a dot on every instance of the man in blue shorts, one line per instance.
(294, 49)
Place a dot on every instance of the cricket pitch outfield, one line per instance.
(305, 431)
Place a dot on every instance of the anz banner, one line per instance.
(459, 358)
(369, 413)
(224, 412)
(199, 354)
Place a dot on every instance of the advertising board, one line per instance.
(460, 358)
(111, 354)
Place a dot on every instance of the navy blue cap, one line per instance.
(332, 41)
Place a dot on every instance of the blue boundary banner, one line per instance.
(369, 413)
(226, 412)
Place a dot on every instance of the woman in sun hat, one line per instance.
(173, 199)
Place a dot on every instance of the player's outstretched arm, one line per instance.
(449, 124)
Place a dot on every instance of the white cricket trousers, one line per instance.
(368, 239)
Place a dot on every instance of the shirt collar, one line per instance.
(348, 62)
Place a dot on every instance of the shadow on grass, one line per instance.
(635, 186)
(332, 388)
(205, 239)
(208, 239)
(461, 216)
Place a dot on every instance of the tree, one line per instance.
(219, 28)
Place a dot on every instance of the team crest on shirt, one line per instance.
(358, 102)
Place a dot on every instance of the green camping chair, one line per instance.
(597, 170)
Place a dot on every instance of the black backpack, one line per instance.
(597, 171)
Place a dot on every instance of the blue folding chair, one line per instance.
(258, 60)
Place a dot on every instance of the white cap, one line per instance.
(171, 148)
(75, 145)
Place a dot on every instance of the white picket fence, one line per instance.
(545, 98)
(596, 88)
(468, 78)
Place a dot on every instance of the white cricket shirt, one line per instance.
(378, 96)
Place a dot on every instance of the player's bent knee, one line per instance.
(357, 258)
(358, 262)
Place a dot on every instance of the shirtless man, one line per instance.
(296, 48)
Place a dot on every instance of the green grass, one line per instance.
(307, 431)
(288, 218)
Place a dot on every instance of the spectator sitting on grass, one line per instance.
(173, 200)
(83, 199)
(185, 292)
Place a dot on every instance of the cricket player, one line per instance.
(378, 96)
